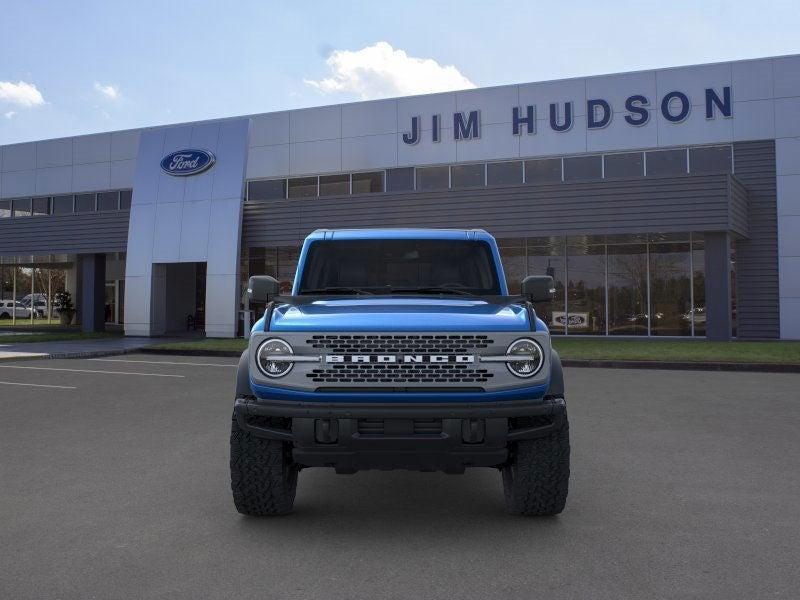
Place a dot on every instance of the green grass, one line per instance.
(678, 350)
(53, 336)
(606, 349)
(41, 322)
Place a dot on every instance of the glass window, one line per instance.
(666, 162)
(286, 267)
(414, 266)
(504, 173)
(699, 284)
(670, 298)
(433, 178)
(303, 187)
(41, 206)
(5, 209)
(400, 180)
(271, 189)
(546, 257)
(22, 207)
(468, 175)
(627, 289)
(125, 199)
(630, 164)
(579, 168)
(515, 265)
(368, 183)
(62, 205)
(84, 203)
(108, 201)
(334, 185)
(713, 159)
(543, 171)
(586, 283)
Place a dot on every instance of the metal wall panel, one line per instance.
(59, 234)
(641, 205)
(758, 310)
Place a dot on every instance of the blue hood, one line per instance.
(399, 314)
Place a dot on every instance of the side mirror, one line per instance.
(538, 288)
(262, 288)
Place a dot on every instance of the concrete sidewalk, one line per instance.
(77, 348)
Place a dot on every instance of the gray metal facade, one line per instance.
(77, 233)
(640, 205)
(757, 297)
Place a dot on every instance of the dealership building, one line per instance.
(663, 203)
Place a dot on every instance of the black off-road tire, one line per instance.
(263, 475)
(536, 478)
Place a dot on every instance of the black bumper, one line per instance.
(428, 437)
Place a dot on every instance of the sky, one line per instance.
(85, 66)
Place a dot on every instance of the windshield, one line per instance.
(399, 266)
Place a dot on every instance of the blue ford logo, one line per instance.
(187, 162)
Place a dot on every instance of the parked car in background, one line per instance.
(14, 308)
(39, 304)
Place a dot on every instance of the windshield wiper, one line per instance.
(434, 289)
(336, 290)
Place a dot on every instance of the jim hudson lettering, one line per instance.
(674, 107)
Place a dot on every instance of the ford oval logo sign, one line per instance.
(187, 162)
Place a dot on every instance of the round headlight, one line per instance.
(270, 367)
(531, 357)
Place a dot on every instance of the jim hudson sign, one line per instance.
(674, 106)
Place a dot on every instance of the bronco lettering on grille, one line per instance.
(399, 358)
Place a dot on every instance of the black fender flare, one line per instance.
(243, 376)
(556, 389)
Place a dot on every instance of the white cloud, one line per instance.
(380, 71)
(20, 93)
(10, 114)
(109, 91)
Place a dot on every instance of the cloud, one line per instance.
(10, 114)
(20, 93)
(109, 91)
(380, 71)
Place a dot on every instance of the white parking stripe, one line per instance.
(90, 371)
(61, 387)
(161, 362)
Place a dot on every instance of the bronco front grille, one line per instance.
(398, 343)
(399, 373)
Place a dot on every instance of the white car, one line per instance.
(11, 308)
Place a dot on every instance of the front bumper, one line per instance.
(429, 437)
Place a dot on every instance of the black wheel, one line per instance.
(5, 315)
(263, 475)
(536, 479)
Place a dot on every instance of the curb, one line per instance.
(217, 353)
(683, 366)
(62, 355)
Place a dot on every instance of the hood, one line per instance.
(400, 314)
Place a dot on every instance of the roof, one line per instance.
(400, 233)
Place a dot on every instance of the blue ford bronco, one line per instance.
(399, 349)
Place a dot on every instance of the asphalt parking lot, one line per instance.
(114, 484)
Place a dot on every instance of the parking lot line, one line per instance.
(162, 362)
(90, 371)
(61, 387)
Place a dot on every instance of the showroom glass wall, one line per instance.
(38, 291)
(634, 285)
